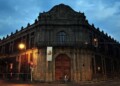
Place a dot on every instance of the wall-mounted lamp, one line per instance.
(98, 68)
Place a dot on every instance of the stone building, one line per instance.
(60, 43)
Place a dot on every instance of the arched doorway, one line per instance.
(62, 67)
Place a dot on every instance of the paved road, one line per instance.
(101, 83)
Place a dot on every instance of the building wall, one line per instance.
(80, 64)
(90, 59)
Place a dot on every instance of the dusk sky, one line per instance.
(104, 14)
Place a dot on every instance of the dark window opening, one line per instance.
(61, 37)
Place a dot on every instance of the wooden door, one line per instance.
(62, 67)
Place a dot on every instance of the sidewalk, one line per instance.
(82, 83)
(34, 83)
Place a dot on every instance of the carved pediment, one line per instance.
(61, 14)
(61, 11)
(60, 7)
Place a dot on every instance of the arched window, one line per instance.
(61, 37)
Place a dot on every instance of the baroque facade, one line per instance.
(78, 50)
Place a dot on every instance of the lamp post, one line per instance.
(22, 46)
(31, 67)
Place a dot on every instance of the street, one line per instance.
(100, 83)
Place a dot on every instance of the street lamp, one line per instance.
(21, 46)
(98, 68)
(95, 40)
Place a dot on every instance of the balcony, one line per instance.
(77, 44)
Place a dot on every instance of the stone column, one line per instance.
(105, 76)
(78, 65)
(40, 67)
(83, 57)
(49, 70)
(89, 68)
(74, 66)
(19, 65)
(103, 68)
(94, 65)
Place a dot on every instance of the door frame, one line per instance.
(63, 66)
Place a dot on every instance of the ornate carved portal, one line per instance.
(62, 67)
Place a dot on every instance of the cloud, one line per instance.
(81, 4)
(100, 10)
(14, 15)
(103, 13)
